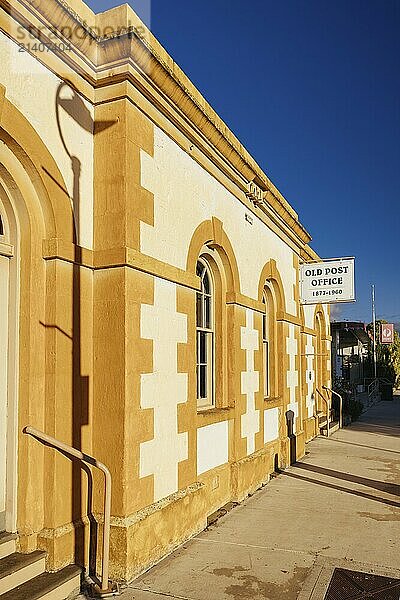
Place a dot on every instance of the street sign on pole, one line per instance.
(387, 333)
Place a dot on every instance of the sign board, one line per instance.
(387, 333)
(329, 281)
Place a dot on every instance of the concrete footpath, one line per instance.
(340, 506)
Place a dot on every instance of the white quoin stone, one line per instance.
(212, 446)
(163, 390)
(292, 377)
(250, 381)
(271, 425)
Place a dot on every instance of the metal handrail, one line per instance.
(326, 400)
(373, 386)
(385, 380)
(325, 387)
(43, 437)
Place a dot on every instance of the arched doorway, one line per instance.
(9, 302)
(320, 364)
(37, 216)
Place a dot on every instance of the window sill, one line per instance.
(272, 402)
(208, 416)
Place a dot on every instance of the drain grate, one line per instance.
(355, 585)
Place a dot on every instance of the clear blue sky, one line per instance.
(312, 89)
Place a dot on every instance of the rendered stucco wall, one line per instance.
(250, 383)
(185, 195)
(113, 330)
(163, 390)
(20, 73)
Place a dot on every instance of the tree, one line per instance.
(387, 355)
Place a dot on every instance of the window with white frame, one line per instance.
(265, 336)
(205, 336)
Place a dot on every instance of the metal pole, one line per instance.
(326, 400)
(328, 418)
(374, 328)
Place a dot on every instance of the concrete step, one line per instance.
(7, 544)
(17, 569)
(333, 426)
(48, 586)
(322, 420)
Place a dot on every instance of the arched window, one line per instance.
(272, 343)
(265, 335)
(205, 339)
(4, 230)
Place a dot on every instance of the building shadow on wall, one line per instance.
(67, 101)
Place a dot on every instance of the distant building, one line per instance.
(149, 289)
(349, 352)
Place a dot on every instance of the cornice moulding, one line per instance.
(130, 52)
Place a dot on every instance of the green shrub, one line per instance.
(355, 409)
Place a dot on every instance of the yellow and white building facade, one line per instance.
(149, 294)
